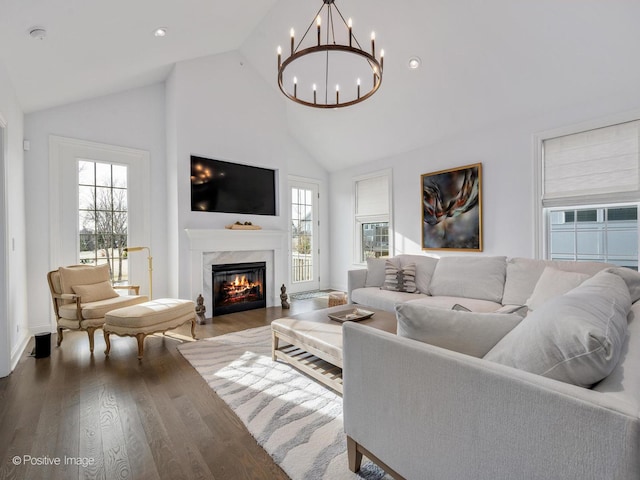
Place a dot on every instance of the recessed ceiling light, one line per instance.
(414, 62)
(38, 33)
(160, 31)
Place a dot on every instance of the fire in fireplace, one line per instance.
(238, 287)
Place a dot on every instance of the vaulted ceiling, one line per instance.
(483, 61)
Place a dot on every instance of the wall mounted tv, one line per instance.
(218, 186)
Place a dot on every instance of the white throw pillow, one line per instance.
(425, 266)
(375, 272)
(471, 333)
(575, 338)
(553, 283)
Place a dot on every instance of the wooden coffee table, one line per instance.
(312, 342)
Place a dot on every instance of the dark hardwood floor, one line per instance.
(115, 417)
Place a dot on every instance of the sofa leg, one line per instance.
(59, 335)
(140, 338)
(354, 456)
(90, 332)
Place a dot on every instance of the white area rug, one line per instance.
(295, 419)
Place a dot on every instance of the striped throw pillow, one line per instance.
(400, 279)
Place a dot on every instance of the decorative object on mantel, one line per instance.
(452, 209)
(243, 226)
(339, 60)
(283, 297)
(200, 309)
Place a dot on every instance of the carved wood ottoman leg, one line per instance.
(140, 338)
(108, 342)
(59, 335)
(354, 456)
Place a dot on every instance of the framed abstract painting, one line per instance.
(452, 209)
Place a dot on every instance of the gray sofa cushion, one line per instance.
(553, 283)
(471, 277)
(447, 303)
(471, 333)
(523, 275)
(382, 299)
(575, 338)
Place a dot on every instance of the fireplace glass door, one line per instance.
(238, 287)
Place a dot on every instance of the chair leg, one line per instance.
(59, 335)
(90, 332)
(107, 341)
(193, 328)
(140, 338)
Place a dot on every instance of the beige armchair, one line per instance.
(83, 294)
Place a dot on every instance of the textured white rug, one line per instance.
(295, 419)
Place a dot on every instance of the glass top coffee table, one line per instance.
(312, 342)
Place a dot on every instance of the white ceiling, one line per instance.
(483, 61)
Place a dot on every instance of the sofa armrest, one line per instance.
(420, 408)
(355, 279)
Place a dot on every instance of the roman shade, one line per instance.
(372, 196)
(602, 162)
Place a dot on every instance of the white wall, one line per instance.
(223, 109)
(135, 119)
(13, 312)
(506, 153)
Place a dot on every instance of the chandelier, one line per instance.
(330, 72)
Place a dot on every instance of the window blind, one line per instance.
(586, 166)
(372, 196)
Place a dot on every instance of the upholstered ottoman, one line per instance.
(155, 316)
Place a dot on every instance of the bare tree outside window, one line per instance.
(102, 199)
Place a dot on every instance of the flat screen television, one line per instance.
(218, 186)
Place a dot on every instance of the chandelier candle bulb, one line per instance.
(337, 94)
(295, 86)
(358, 88)
(373, 44)
(350, 24)
(382, 58)
(279, 57)
(292, 40)
(319, 22)
(314, 93)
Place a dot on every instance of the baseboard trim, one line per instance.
(16, 355)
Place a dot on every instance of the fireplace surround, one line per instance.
(224, 246)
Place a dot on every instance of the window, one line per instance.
(590, 192)
(102, 216)
(372, 216)
(604, 234)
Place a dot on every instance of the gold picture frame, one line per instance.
(452, 209)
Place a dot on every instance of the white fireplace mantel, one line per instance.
(204, 242)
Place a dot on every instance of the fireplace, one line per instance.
(238, 287)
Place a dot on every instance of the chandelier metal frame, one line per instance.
(331, 45)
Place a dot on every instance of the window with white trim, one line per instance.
(591, 194)
(372, 195)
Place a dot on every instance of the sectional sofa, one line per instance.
(502, 368)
